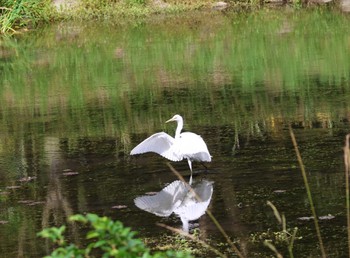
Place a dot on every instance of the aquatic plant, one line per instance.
(286, 235)
(111, 238)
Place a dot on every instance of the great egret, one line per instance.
(185, 145)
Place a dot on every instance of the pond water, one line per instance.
(75, 99)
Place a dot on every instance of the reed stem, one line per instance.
(346, 163)
(307, 187)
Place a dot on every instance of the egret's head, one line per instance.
(176, 118)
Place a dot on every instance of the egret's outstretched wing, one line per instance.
(161, 143)
(194, 147)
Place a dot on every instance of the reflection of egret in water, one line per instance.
(177, 197)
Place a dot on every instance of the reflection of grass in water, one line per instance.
(141, 63)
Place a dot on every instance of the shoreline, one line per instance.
(33, 14)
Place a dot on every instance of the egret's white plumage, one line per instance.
(185, 145)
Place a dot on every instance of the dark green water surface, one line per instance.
(75, 99)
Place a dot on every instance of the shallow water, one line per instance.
(76, 99)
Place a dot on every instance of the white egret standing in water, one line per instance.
(185, 145)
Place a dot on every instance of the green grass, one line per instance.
(16, 15)
(23, 13)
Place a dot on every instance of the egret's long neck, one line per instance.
(180, 124)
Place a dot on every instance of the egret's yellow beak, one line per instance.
(170, 120)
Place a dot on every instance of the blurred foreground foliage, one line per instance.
(107, 238)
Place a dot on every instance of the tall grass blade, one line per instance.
(291, 244)
(272, 248)
(275, 212)
(346, 163)
(282, 220)
(307, 187)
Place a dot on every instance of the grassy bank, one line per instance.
(23, 14)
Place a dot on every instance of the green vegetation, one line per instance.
(22, 13)
(19, 14)
(286, 236)
(107, 238)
